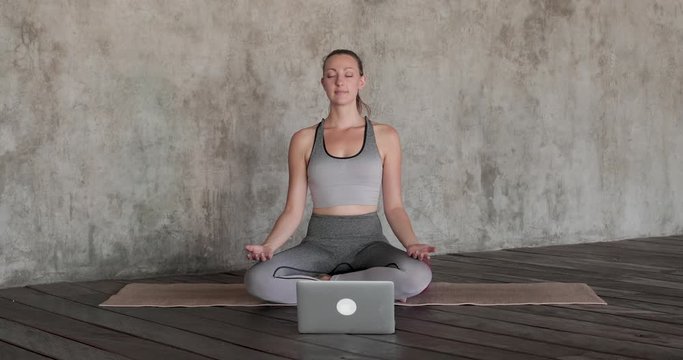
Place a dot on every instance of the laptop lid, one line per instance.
(351, 307)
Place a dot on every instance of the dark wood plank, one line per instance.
(209, 347)
(478, 338)
(654, 245)
(460, 271)
(371, 347)
(9, 351)
(211, 326)
(411, 339)
(627, 307)
(95, 336)
(547, 320)
(455, 330)
(564, 262)
(48, 344)
(559, 268)
(416, 340)
(615, 283)
(588, 315)
(479, 349)
(262, 320)
(255, 344)
(346, 343)
(592, 269)
(488, 271)
(644, 246)
(638, 309)
(641, 279)
(403, 337)
(671, 240)
(662, 304)
(547, 334)
(108, 287)
(600, 258)
(272, 321)
(665, 284)
(610, 255)
(522, 267)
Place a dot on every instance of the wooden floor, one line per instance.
(641, 279)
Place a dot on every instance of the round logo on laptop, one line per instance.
(346, 306)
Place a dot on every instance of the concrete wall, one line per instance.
(150, 137)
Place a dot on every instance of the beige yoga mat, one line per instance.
(438, 293)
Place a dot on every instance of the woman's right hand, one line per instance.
(259, 252)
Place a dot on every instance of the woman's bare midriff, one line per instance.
(345, 210)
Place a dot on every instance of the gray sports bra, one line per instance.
(353, 180)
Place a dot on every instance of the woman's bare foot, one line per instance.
(324, 277)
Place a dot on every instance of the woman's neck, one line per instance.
(344, 117)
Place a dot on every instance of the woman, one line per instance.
(345, 160)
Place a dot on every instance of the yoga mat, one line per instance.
(438, 293)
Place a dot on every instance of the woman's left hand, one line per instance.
(420, 251)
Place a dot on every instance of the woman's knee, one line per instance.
(256, 279)
(260, 282)
(419, 275)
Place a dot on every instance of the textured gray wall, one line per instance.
(150, 137)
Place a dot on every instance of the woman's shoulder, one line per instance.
(305, 135)
(386, 137)
(307, 131)
(384, 130)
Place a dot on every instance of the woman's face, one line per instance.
(342, 79)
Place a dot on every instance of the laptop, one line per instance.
(349, 307)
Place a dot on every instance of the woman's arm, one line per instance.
(291, 216)
(389, 144)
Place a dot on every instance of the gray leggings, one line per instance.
(346, 247)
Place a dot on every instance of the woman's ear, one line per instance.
(362, 82)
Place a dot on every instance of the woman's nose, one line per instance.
(339, 82)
